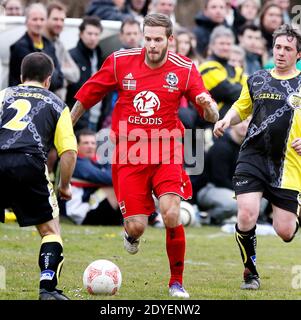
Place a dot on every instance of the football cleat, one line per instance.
(52, 295)
(130, 244)
(250, 282)
(176, 290)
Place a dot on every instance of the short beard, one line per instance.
(160, 58)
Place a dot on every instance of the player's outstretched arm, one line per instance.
(76, 112)
(230, 119)
(209, 106)
(67, 164)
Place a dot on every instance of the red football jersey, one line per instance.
(147, 98)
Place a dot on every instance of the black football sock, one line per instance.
(247, 245)
(50, 261)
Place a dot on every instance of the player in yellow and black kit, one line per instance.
(269, 162)
(31, 120)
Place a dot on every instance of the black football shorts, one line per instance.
(26, 189)
(285, 199)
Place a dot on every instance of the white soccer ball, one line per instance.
(102, 277)
(187, 214)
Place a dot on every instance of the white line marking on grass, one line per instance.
(198, 263)
(216, 235)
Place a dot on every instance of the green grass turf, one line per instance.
(213, 268)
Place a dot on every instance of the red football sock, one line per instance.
(175, 247)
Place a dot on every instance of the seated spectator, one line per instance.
(285, 7)
(217, 196)
(107, 9)
(223, 81)
(270, 19)
(137, 8)
(13, 8)
(234, 18)
(249, 9)
(56, 14)
(237, 57)
(214, 14)
(88, 57)
(165, 7)
(130, 34)
(185, 45)
(249, 36)
(34, 41)
(93, 199)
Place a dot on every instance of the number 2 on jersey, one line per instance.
(16, 123)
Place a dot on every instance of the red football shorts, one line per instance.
(135, 185)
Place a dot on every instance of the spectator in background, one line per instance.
(137, 8)
(237, 57)
(130, 34)
(13, 8)
(270, 19)
(88, 57)
(223, 81)
(249, 9)
(166, 7)
(34, 41)
(249, 36)
(285, 7)
(185, 45)
(56, 14)
(234, 19)
(107, 9)
(93, 200)
(214, 14)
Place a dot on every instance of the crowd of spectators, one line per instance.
(229, 41)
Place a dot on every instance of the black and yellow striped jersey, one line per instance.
(32, 120)
(275, 105)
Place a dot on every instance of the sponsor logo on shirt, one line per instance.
(146, 103)
(294, 100)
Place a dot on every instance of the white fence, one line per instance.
(12, 28)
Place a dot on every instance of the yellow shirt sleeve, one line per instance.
(64, 138)
(243, 106)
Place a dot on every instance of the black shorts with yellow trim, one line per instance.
(285, 199)
(26, 189)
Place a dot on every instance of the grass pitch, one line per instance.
(213, 269)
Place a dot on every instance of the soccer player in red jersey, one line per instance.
(150, 82)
